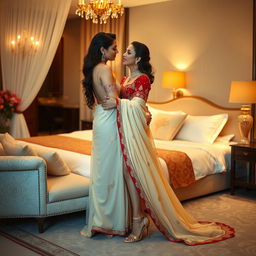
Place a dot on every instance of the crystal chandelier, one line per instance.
(99, 10)
(24, 44)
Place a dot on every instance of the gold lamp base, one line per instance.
(177, 93)
(245, 121)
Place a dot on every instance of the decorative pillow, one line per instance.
(1, 136)
(1, 147)
(14, 148)
(2, 153)
(225, 139)
(55, 164)
(202, 129)
(6, 136)
(165, 124)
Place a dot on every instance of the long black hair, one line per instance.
(94, 57)
(144, 66)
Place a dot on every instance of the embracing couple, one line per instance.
(126, 175)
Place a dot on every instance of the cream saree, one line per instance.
(145, 170)
(108, 201)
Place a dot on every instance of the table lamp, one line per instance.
(175, 80)
(244, 92)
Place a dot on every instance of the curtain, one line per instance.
(88, 30)
(24, 69)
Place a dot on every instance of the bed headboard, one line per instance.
(199, 106)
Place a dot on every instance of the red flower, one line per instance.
(9, 103)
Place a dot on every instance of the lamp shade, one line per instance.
(243, 92)
(174, 79)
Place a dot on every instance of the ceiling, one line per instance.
(126, 3)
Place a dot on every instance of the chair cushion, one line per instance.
(14, 148)
(55, 164)
(67, 187)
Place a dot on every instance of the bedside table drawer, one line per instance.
(244, 154)
(247, 155)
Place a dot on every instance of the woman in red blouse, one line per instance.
(143, 174)
(137, 84)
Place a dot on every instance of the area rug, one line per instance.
(63, 232)
(34, 243)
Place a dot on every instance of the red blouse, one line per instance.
(138, 88)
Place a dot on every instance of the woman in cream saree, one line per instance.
(145, 170)
(108, 199)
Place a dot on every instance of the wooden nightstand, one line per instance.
(244, 153)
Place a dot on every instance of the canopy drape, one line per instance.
(23, 72)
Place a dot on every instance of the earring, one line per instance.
(137, 61)
(103, 56)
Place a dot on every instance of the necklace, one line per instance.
(135, 73)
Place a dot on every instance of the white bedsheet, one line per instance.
(206, 158)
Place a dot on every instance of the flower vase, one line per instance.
(4, 124)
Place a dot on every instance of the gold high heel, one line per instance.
(132, 238)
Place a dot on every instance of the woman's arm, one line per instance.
(109, 103)
(148, 116)
(108, 82)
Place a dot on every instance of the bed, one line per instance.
(210, 157)
(198, 106)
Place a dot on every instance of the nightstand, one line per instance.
(243, 153)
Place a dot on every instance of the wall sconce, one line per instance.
(24, 44)
(244, 92)
(175, 80)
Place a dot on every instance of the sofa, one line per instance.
(27, 191)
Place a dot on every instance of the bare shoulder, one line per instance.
(101, 67)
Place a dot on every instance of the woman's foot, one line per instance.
(139, 225)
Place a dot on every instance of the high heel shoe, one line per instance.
(144, 226)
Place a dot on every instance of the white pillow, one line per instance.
(165, 124)
(225, 139)
(202, 129)
(55, 164)
(13, 148)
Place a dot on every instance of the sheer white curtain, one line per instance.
(24, 74)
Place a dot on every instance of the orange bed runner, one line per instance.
(179, 164)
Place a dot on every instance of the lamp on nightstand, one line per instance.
(175, 80)
(244, 92)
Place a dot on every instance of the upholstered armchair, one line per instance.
(27, 191)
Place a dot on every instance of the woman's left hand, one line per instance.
(148, 116)
(109, 103)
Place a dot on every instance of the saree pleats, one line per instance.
(145, 170)
(108, 199)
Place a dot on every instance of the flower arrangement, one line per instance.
(9, 104)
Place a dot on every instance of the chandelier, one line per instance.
(99, 10)
(24, 44)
